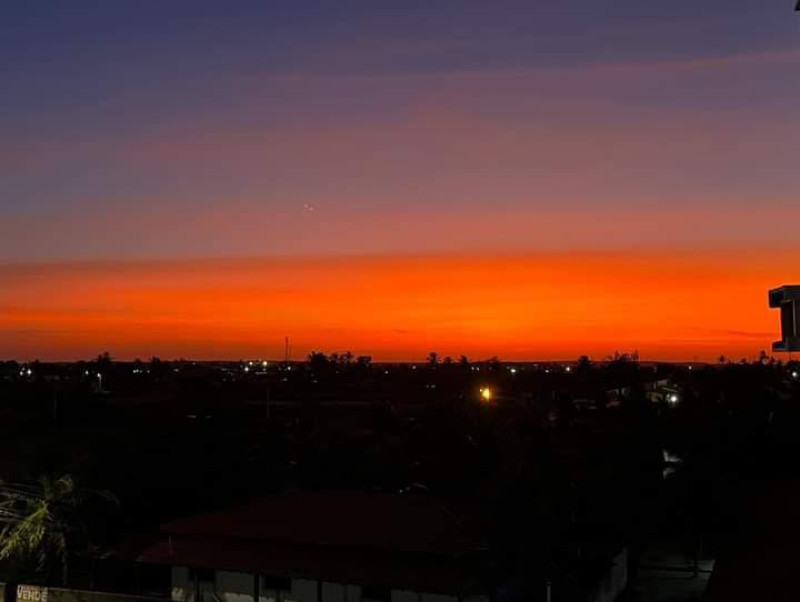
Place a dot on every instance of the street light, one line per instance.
(486, 394)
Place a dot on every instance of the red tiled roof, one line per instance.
(373, 521)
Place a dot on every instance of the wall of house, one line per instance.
(235, 587)
(615, 581)
(404, 596)
(304, 590)
(438, 598)
(334, 592)
(240, 587)
(182, 588)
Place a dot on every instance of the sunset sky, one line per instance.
(531, 180)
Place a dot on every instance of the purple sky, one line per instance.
(154, 129)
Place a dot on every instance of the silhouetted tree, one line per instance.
(104, 361)
(433, 358)
(317, 360)
(42, 521)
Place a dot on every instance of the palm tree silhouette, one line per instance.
(42, 521)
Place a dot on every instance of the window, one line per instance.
(273, 582)
(201, 576)
(376, 594)
(274, 588)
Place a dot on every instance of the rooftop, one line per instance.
(376, 539)
(408, 523)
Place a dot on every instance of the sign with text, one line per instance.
(31, 593)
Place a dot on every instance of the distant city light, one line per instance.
(513, 370)
(569, 368)
(29, 371)
(264, 363)
(486, 394)
(673, 399)
(795, 374)
(247, 368)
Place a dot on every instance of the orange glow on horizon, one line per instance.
(676, 306)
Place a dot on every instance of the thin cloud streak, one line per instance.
(245, 229)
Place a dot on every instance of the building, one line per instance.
(328, 548)
(787, 299)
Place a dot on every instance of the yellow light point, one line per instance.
(486, 394)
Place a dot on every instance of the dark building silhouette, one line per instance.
(329, 548)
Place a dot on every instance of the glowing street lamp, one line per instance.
(486, 394)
